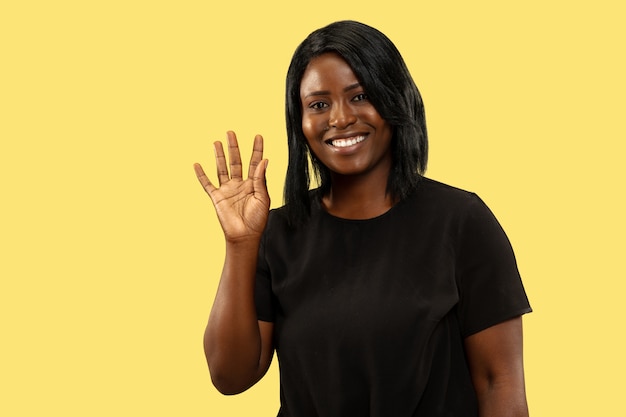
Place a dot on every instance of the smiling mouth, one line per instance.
(345, 142)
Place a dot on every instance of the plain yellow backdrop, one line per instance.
(110, 251)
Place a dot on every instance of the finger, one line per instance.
(220, 161)
(259, 182)
(257, 155)
(235, 157)
(204, 180)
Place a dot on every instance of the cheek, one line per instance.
(382, 126)
(309, 128)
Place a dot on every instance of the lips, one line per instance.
(346, 141)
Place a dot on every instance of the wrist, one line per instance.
(248, 242)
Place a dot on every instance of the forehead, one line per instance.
(325, 72)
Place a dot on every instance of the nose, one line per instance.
(341, 115)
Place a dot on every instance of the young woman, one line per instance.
(384, 293)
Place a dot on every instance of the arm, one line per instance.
(496, 365)
(237, 346)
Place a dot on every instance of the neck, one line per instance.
(357, 198)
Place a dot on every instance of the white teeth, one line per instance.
(342, 143)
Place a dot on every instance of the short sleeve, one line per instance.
(263, 297)
(490, 286)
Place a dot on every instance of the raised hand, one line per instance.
(242, 205)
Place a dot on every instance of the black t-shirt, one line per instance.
(370, 315)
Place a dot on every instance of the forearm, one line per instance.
(232, 340)
(496, 363)
(502, 398)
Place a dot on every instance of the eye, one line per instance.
(360, 97)
(318, 105)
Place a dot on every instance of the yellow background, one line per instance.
(110, 251)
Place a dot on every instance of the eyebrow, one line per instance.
(326, 92)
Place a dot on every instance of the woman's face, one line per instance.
(342, 127)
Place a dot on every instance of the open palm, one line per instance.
(242, 205)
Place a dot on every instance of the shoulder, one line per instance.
(473, 225)
(279, 217)
(277, 220)
(442, 197)
(445, 191)
(438, 205)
